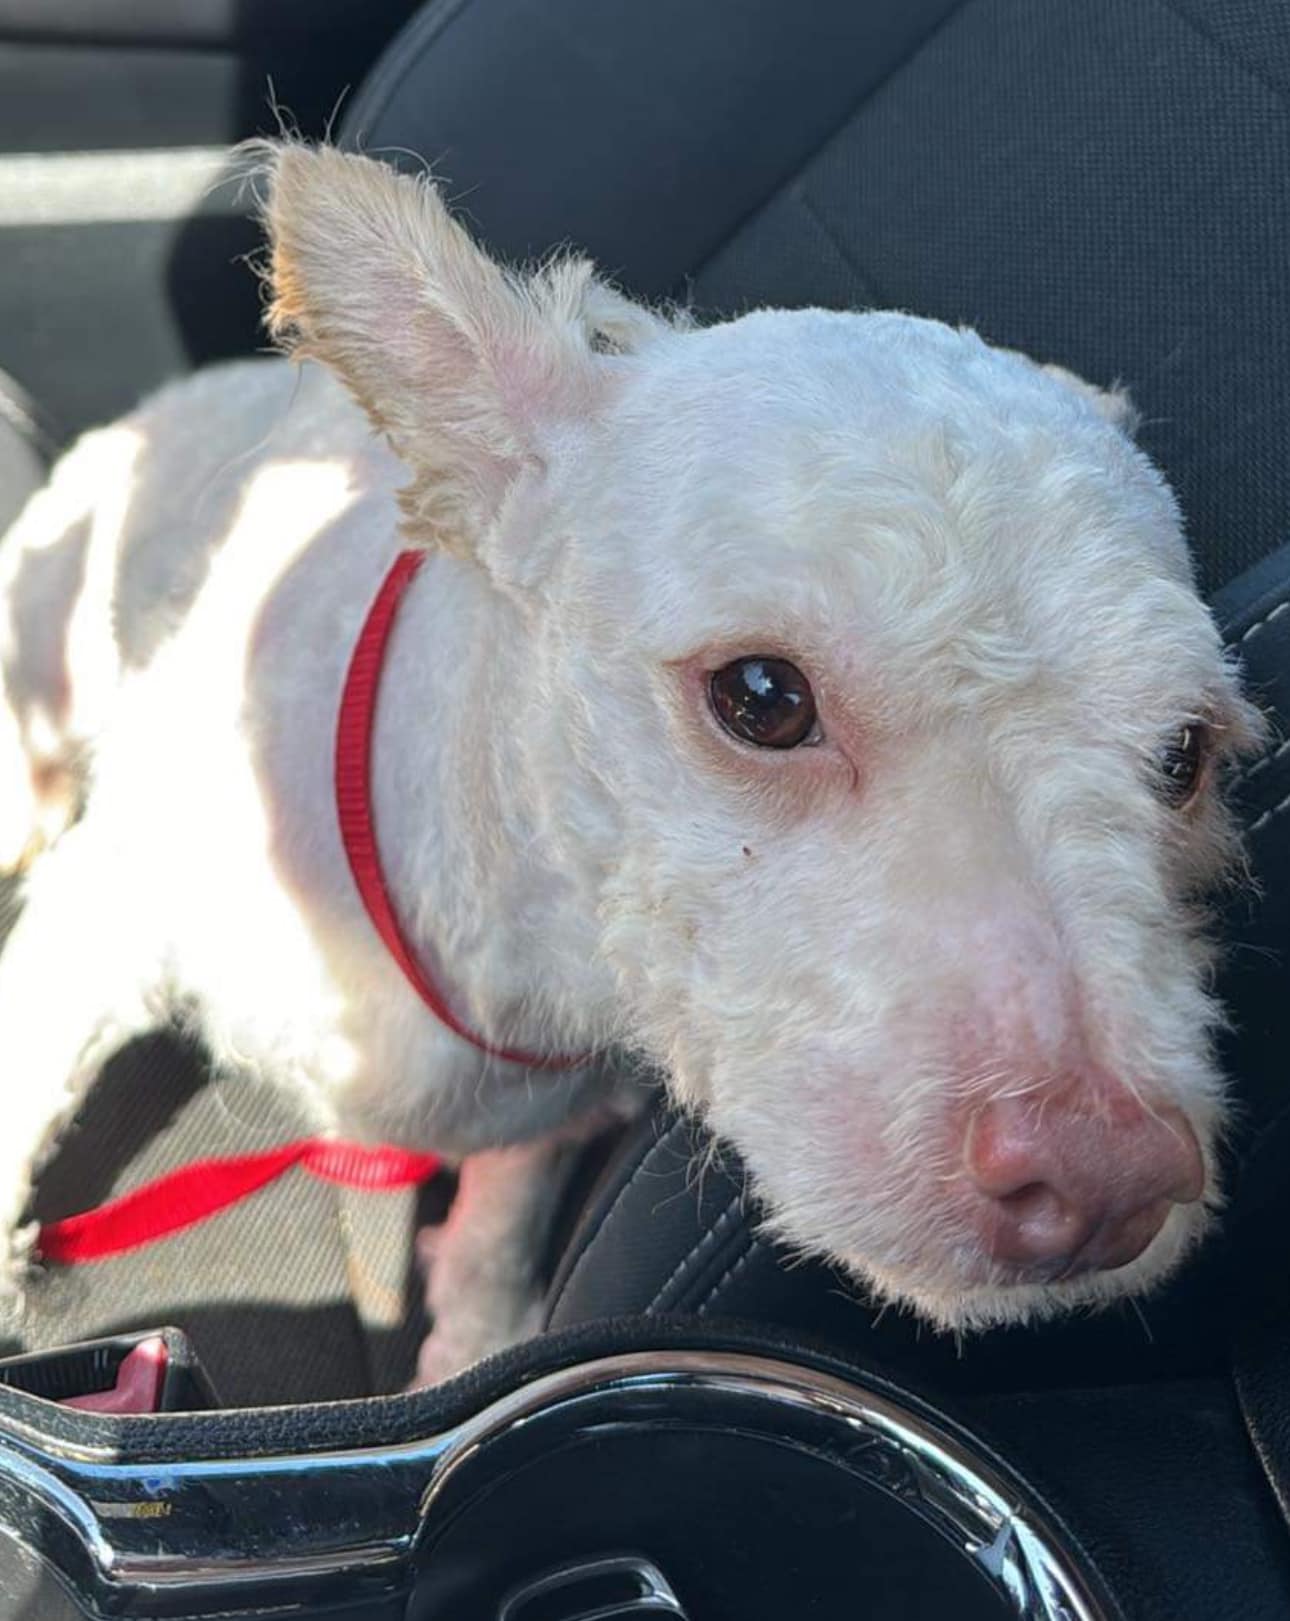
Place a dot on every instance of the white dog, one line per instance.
(817, 704)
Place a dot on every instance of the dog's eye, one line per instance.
(764, 701)
(1181, 765)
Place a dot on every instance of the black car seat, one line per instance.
(26, 445)
(1102, 184)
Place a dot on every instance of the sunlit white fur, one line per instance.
(833, 953)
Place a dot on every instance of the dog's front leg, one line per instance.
(484, 1264)
(75, 981)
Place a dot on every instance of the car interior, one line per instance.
(708, 1427)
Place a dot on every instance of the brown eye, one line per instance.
(764, 701)
(1181, 763)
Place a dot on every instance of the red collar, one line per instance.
(354, 810)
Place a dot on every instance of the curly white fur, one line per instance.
(968, 886)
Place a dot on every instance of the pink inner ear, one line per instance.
(468, 370)
(555, 378)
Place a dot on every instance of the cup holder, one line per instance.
(749, 1488)
(677, 1484)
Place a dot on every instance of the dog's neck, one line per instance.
(471, 793)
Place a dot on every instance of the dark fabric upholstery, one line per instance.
(640, 133)
(1101, 183)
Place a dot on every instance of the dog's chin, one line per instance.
(966, 1304)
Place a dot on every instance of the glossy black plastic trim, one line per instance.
(210, 1536)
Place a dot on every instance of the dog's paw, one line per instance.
(455, 1344)
(479, 1300)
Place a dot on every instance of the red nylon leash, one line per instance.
(193, 1193)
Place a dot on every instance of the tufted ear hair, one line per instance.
(1112, 403)
(467, 367)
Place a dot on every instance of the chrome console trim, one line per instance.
(910, 1457)
(194, 1538)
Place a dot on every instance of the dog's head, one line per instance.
(884, 722)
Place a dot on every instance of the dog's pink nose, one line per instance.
(1067, 1192)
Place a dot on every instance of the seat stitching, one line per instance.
(1269, 815)
(799, 194)
(733, 1208)
(1220, 46)
(1275, 612)
(729, 1275)
(609, 1214)
(1262, 764)
(1268, 617)
(809, 157)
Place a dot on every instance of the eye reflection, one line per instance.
(764, 701)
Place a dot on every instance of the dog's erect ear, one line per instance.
(1112, 403)
(468, 368)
